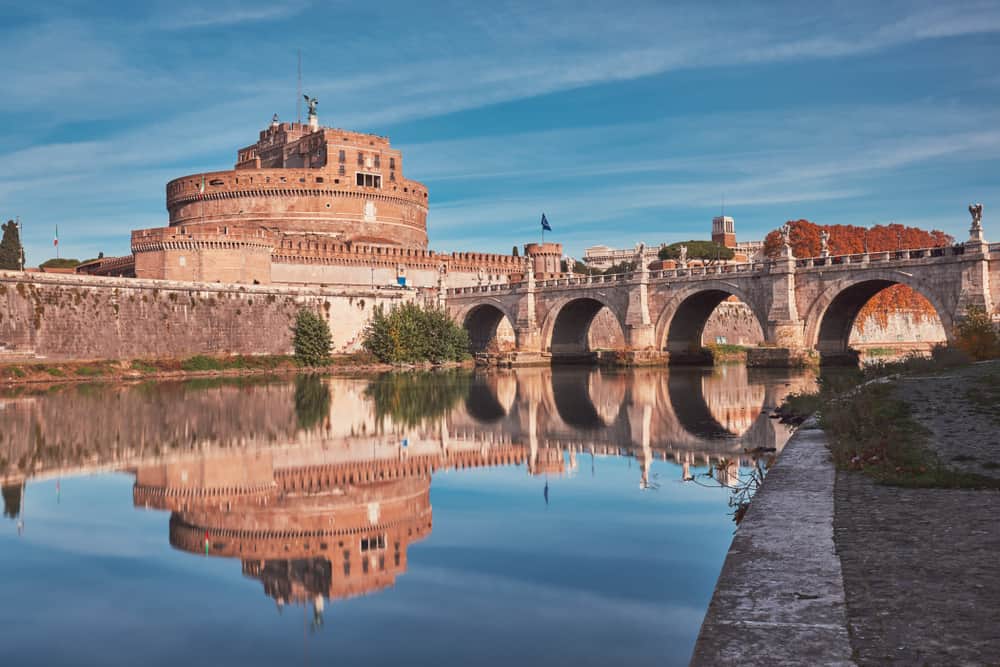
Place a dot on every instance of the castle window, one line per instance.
(302, 180)
(361, 159)
(282, 179)
(336, 180)
(342, 171)
(392, 163)
(392, 176)
(378, 163)
(319, 179)
(369, 180)
(343, 156)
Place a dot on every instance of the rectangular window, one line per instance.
(392, 176)
(373, 543)
(392, 163)
(361, 159)
(378, 164)
(343, 156)
(369, 180)
(341, 171)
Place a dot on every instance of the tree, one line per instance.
(850, 239)
(311, 339)
(976, 336)
(11, 251)
(411, 333)
(706, 251)
(60, 263)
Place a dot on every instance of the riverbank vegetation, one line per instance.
(411, 333)
(311, 339)
(198, 365)
(871, 429)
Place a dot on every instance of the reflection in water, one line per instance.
(320, 486)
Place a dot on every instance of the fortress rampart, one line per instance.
(53, 316)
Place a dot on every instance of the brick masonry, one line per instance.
(83, 317)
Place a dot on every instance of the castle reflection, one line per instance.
(319, 486)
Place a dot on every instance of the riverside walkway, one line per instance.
(830, 568)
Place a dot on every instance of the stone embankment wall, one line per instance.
(61, 317)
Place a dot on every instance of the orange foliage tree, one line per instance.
(848, 240)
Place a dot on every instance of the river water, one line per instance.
(451, 518)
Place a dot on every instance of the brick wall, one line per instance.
(86, 317)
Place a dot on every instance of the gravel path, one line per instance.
(920, 566)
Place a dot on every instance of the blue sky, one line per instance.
(622, 121)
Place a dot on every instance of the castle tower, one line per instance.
(545, 258)
(724, 231)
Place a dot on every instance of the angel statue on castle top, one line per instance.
(311, 102)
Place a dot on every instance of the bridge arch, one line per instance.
(566, 329)
(683, 317)
(490, 326)
(830, 318)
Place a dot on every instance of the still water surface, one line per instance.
(529, 517)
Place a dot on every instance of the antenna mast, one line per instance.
(298, 90)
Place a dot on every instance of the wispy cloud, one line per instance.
(218, 14)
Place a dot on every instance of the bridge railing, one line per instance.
(729, 269)
(881, 256)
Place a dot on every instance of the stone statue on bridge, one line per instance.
(682, 258)
(786, 240)
(976, 231)
(824, 243)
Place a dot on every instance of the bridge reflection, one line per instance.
(319, 486)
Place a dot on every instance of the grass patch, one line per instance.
(727, 348)
(53, 371)
(142, 366)
(984, 395)
(872, 431)
(201, 362)
(89, 371)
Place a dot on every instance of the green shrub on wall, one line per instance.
(410, 333)
(311, 339)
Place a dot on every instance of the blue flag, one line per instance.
(545, 224)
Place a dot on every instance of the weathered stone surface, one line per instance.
(920, 573)
(780, 598)
(82, 317)
(805, 304)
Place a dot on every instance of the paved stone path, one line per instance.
(780, 598)
(921, 567)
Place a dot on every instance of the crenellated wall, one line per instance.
(84, 317)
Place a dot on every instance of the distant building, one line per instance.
(604, 257)
(723, 233)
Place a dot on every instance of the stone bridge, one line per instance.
(802, 305)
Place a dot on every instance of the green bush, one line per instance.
(976, 336)
(704, 250)
(410, 333)
(311, 339)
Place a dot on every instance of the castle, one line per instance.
(309, 205)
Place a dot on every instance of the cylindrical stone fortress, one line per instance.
(299, 180)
